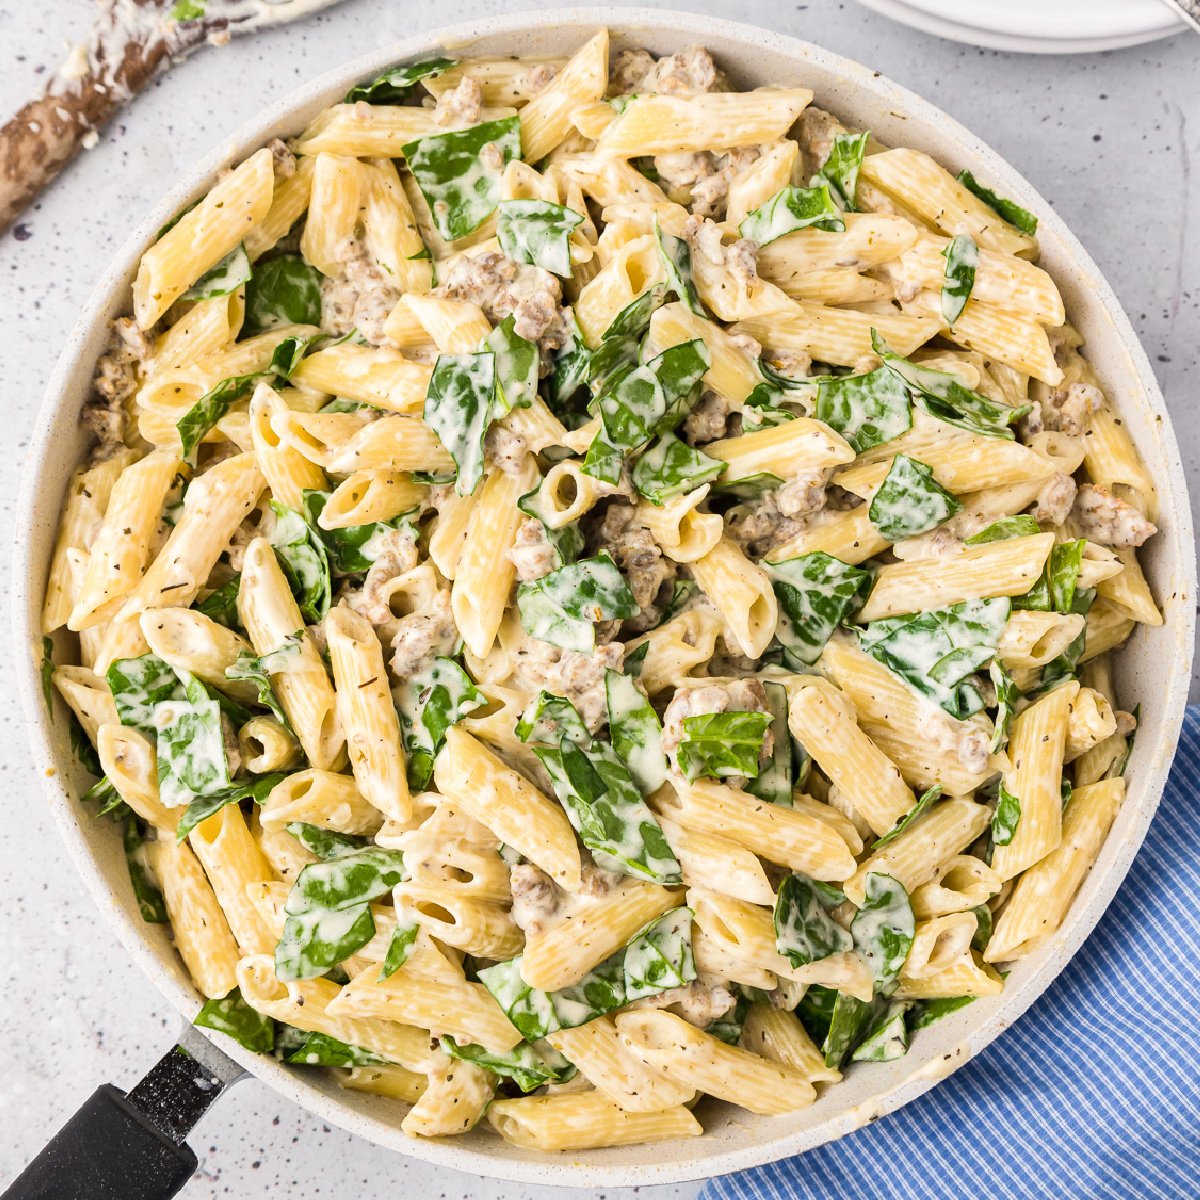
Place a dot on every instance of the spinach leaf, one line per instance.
(910, 501)
(728, 1027)
(962, 261)
(937, 651)
(321, 1050)
(682, 592)
(232, 1016)
(722, 744)
(639, 402)
(792, 208)
(1121, 763)
(256, 788)
(284, 290)
(660, 957)
(325, 843)
(634, 319)
(887, 1037)
(1017, 526)
(290, 352)
(516, 370)
(867, 410)
(459, 176)
(749, 489)
(398, 84)
(606, 809)
(146, 891)
(635, 731)
(329, 911)
(221, 605)
(527, 1066)
(458, 408)
(676, 258)
(883, 929)
(603, 460)
(138, 685)
(103, 793)
(47, 671)
(210, 408)
(774, 781)
(572, 369)
(566, 542)
(536, 1013)
(1007, 695)
(943, 397)
(804, 930)
(259, 672)
(190, 745)
(352, 548)
(925, 1012)
(983, 928)
(1012, 212)
(561, 608)
(839, 172)
(400, 944)
(671, 467)
(852, 1019)
(816, 593)
(82, 749)
(226, 276)
(538, 233)
(549, 718)
(428, 704)
(660, 949)
(304, 562)
(919, 809)
(1055, 586)
(815, 1010)
(1006, 818)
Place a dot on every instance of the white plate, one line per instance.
(1037, 26)
(1155, 669)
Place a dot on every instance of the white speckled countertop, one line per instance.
(1107, 139)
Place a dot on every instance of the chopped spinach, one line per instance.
(304, 562)
(1006, 818)
(565, 542)
(549, 718)
(867, 410)
(1012, 212)
(1007, 696)
(538, 233)
(883, 929)
(919, 809)
(804, 930)
(561, 608)
(635, 731)
(676, 258)
(639, 402)
(352, 549)
(792, 208)
(839, 172)
(256, 788)
(887, 1037)
(1017, 526)
(146, 891)
(458, 408)
(670, 467)
(284, 290)
(259, 671)
(910, 501)
(527, 1066)
(774, 781)
(459, 176)
(226, 276)
(816, 593)
(429, 703)
(211, 407)
(398, 84)
(962, 261)
(722, 744)
(936, 652)
(231, 1015)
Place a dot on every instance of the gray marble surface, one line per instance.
(1108, 139)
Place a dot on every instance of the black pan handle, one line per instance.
(109, 1150)
(122, 1146)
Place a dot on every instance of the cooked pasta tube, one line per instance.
(202, 934)
(457, 1095)
(270, 615)
(509, 805)
(914, 855)
(322, 798)
(795, 839)
(602, 1056)
(1043, 894)
(699, 1060)
(1036, 748)
(88, 696)
(367, 713)
(130, 761)
(742, 593)
(232, 860)
(305, 1005)
(192, 641)
(584, 1121)
(778, 1036)
(464, 1010)
(563, 954)
(265, 746)
(215, 505)
(994, 569)
(960, 883)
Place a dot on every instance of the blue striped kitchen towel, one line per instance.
(1094, 1092)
